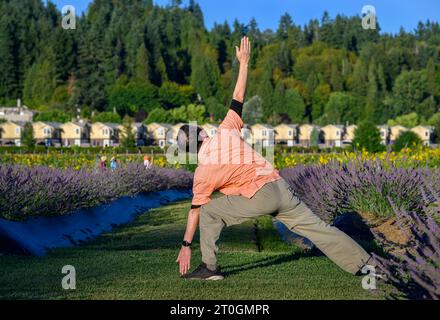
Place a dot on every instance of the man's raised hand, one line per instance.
(244, 52)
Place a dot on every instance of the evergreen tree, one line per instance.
(142, 67)
(8, 84)
(216, 109)
(91, 74)
(433, 78)
(265, 92)
(128, 139)
(283, 59)
(336, 79)
(149, 5)
(319, 100)
(340, 108)
(205, 72)
(279, 101)
(427, 108)
(372, 99)
(40, 82)
(161, 70)
(27, 136)
(367, 136)
(294, 106)
(360, 78)
(409, 91)
(197, 13)
(284, 27)
(314, 137)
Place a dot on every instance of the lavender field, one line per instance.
(37, 191)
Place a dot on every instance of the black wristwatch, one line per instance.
(186, 243)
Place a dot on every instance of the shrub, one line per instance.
(53, 116)
(107, 117)
(407, 139)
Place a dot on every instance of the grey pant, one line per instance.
(276, 198)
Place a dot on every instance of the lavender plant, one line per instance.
(370, 184)
(322, 188)
(415, 269)
(28, 191)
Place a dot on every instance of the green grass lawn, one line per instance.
(137, 261)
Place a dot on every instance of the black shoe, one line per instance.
(203, 273)
(378, 273)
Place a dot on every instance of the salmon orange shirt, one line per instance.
(226, 163)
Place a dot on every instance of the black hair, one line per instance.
(188, 132)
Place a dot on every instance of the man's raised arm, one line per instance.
(243, 56)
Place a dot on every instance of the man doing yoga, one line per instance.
(251, 188)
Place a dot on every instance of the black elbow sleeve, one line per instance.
(237, 106)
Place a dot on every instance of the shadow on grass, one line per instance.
(267, 262)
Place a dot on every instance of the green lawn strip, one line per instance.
(137, 261)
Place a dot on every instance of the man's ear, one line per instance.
(203, 135)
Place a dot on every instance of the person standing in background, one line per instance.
(113, 163)
(147, 162)
(103, 160)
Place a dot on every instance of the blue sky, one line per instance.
(392, 14)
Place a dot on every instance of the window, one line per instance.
(382, 134)
(426, 134)
(264, 133)
(290, 133)
(46, 131)
(77, 131)
(17, 130)
(105, 132)
(160, 132)
(338, 133)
